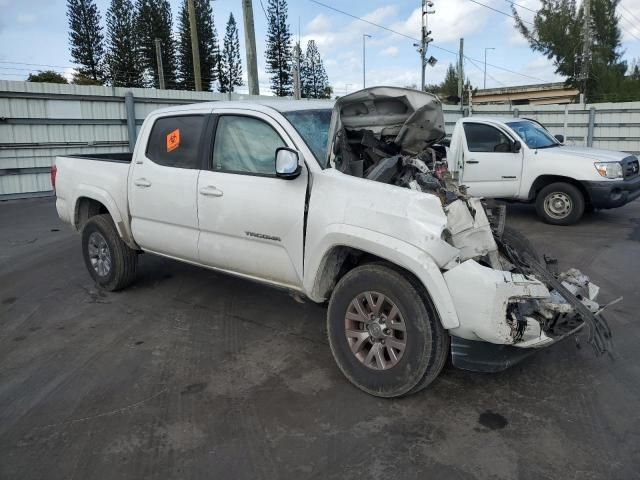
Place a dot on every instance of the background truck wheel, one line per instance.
(111, 263)
(384, 332)
(560, 204)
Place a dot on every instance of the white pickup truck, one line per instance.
(518, 159)
(277, 192)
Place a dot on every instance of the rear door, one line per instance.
(251, 221)
(490, 167)
(163, 185)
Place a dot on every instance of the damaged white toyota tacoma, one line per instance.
(349, 203)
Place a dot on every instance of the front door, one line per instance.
(163, 185)
(491, 168)
(251, 221)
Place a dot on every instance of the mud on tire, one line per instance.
(111, 263)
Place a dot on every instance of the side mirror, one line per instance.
(560, 138)
(517, 146)
(287, 163)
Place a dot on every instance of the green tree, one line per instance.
(123, 52)
(46, 76)
(278, 49)
(448, 89)
(314, 80)
(230, 69)
(85, 38)
(558, 32)
(80, 79)
(153, 20)
(207, 45)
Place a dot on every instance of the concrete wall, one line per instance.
(39, 121)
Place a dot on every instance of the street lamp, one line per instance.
(364, 83)
(346, 88)
(485, 65)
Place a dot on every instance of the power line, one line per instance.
(629, 12)
(499, 11)
(632, 26)
(417, 40)
(521, 6)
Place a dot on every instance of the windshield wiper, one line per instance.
(550, 146)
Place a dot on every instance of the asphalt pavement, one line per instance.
(193, 374)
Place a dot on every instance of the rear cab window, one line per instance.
(175, 141)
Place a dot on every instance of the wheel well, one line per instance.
(544, 180)
(342, 259)
(87, 208)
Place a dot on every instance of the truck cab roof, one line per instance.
(284, 105)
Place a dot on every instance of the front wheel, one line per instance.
(560, 204)
(384, 332)
(111, 263)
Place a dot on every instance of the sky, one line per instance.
(34, 36)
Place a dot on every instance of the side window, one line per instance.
(485, 138)
(175, 141)
(245, 145)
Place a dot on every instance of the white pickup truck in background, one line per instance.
(349, 204)
(518, 159)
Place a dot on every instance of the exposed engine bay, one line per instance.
(394, 136)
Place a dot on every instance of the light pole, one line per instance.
(364, 83)
(485, 66)
(346, 88)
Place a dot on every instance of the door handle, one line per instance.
(472, 161)
(142, 182)
(210, 191)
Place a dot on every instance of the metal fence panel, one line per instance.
(39, 121)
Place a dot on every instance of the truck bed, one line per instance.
(105, 157)
(101, 177)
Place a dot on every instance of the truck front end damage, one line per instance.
(503, 294)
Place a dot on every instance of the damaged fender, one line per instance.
(482, 295)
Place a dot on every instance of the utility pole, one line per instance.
(586, 49)
(250, 44)
(364, 79)
(424, 39)
(461, 74)
(195, 49)
(484, 85)
(159, 61)
(296, 73)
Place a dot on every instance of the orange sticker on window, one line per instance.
(173, 140)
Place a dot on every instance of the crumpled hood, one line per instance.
(592, 154)
(415, 118)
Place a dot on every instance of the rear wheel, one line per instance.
(111, 263)
(384, 333)
(560, 204)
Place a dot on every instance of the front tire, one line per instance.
(384, 332)
(560, 204)
(111, 263)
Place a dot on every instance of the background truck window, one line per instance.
(484, 138)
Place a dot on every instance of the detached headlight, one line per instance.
(609, 169)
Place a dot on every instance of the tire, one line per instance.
(519, 242)
(569, 207)
(426, 342)
(111, 263)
